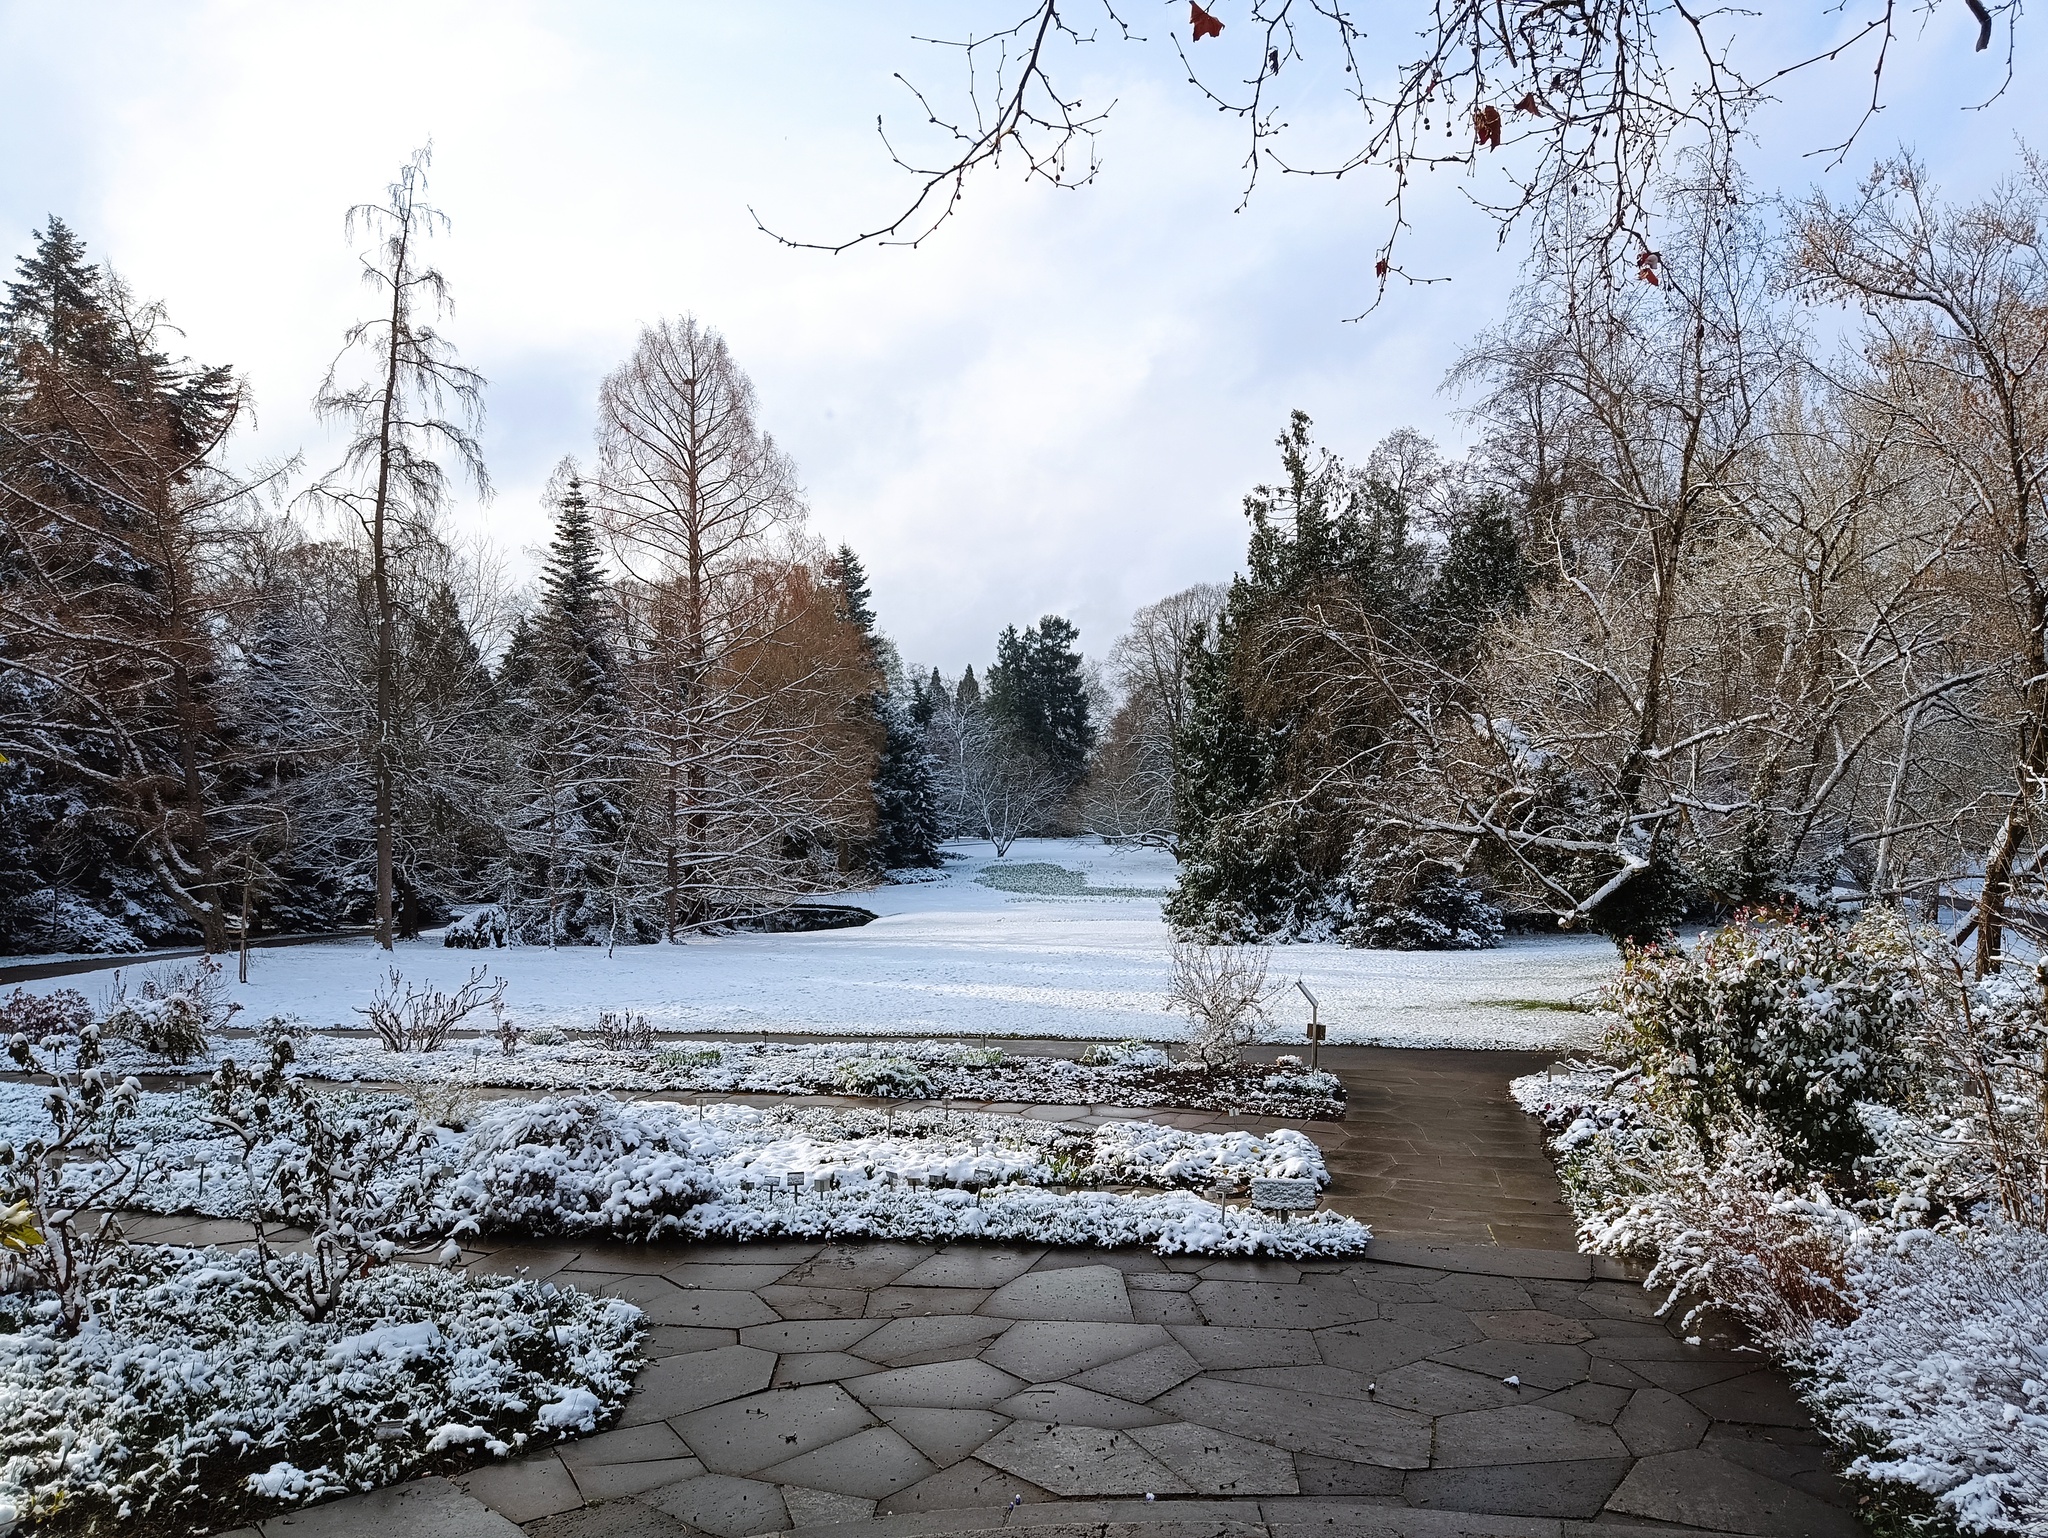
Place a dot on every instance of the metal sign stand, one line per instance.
(1316, 1028)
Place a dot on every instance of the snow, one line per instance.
(955, 957)
(193, 1401)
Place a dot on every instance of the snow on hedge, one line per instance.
(1942, 1380)
(193, 1401)
(1114, 1073)
(593, 1165)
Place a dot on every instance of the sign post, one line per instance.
(1316, 1027)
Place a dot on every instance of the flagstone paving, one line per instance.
(1472, 1375)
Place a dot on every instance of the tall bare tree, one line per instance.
(409, 402)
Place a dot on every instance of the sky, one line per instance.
(1055, 405)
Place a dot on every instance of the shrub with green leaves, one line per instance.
(896, 1078)
(1787, 1022)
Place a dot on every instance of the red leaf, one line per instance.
(1648, 276)
(1205, 24)
(1528, 104)
(1486, 126)
(1379, 268)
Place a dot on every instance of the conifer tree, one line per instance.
(1037, 691)
(906, 804)
(1483, 577)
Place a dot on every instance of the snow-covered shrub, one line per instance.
(272, 1029)
(1222, 990)
(480, 929)
(440, 1103)
(57, 1016)
(682, 1059)
(896, 1078)
(358, 1177)
(1404, 899)
(546, 1036)
(579, 1164)
(1790, 1022)
(1941, 1382)
(75, 1179)
(1131, 1053)
(625, 1030)
(173, 1010)
(409, 1019)
(1988, 1039)
(198, 1403)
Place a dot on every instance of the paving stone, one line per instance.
(1600, 1402)
(694, 1273)
(971, 1266)
(1476, 1293)
(1433, 1388)
(1575, 1489)
(612, 1519)
(907, 1342)
(1658, 1421)
(533, 1261)
(742, 1436)
(1659, 1346)
(1213, 1462)
(1369, 1519)
(942, 1435)
(1537, 1365)
(1143, 1375)
(967, 1484)
(681, 1339)
(1520, 1434)
(1311, 1379)
(1045, 1350)
(1066, 1405)
(1755, 1398)
(823, 1508)
(420, 1508)
(1082, 1294)
(858, 1265)
(961, 1384)
(1697, 1489)
(665, 1303)
(1080, 1461)
(816, 1302)
(1224, 1349)
(899, 1302)
(1235, 1269)
(677, 1385)
(801, 1367)
(1439, 1321)
(723, 1505)
(1335, 1476)
(869, 1464)
(810, 1334)
(630, 1444)
(1358, 1431)
(525, 1488)
(1374, 1346)
(1684, 1377)
(1162, 1281)
(1267, 1305)
(1164, 1308)
(747, 1252)
(1802, 1464)
(1532, 1324)
(611, 1481)
(1614, 1374)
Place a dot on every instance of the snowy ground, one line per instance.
(955, 957)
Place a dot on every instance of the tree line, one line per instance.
(1716, 614)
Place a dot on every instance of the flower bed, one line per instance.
(194, 1401)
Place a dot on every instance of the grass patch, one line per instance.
(1561, 1006)
(1037, 879)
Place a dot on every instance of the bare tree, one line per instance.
(1128, 795)
(1582, 102)
(389, 480)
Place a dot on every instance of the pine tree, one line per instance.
(906, 805)
(1038, 691)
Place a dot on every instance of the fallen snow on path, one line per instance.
(956, 957)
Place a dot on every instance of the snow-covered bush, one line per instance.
(1988, 1038)
(74, 1175)
(578, 1164)
(198, 1402)
(480, 929)
(272, 1029)
(41, 1017)
(625, 1030)
(546, 1036)
(1404, 900)
(896, 1077)
(1941, 1381)
(1222, 990)
(172, 1012)
(359, 1178)
(409, 1019)
(1789, 1022)
(1132, 1053)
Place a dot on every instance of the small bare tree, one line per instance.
(1222, 989)
(389, 479)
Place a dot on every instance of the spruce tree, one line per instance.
(906, 802)
(1483, 577)
(1038, 691)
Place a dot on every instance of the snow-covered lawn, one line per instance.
(193, 1400)
(955, 957)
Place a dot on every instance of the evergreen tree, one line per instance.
(968, 693)
(906, 803)
(1482, 578)
(926, 696)
(1038, 691)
